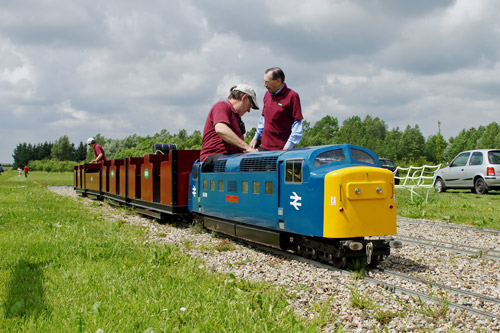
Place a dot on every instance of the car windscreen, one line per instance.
(387, 163)
(494, 157)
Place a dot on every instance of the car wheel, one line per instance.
(439, 185)
(480, 186)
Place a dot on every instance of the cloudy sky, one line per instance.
(123, 67)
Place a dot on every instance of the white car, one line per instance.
(478, 170)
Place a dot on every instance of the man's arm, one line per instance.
(227, 134)
(98, 158)
(295, 136)
(258, 134)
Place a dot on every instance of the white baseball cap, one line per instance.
(245, 88)
(90, 140)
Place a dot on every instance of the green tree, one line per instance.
(80, 152)
(375, 131)
(351, 132)
(489, 137)
(63, 150)
(23, 153)
(250, 134)
(465, 140)
(322, 133)
(435, 147)
(391, 146)
(412, 144)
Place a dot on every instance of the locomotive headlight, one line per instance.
(379, 190)
(353, 246)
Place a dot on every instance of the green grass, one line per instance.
(461, 207)
(65, 267)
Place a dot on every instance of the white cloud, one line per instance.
(120, 68)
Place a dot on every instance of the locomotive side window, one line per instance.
(362, 156)
(205, 184)
(256, 187)
(269, 187)
(330, 156)
(293, 171)
(244, 186)
(212, 185)
(221, 185)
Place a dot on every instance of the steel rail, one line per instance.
(439, 285)
(480, 253)
(448, 225)
(388, 286)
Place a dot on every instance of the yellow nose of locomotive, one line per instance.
(359, 202)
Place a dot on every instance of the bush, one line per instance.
(52, 166)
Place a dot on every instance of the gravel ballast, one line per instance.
(308, 285)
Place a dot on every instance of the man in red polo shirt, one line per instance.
(280, 125)
(99, 154)
(224, 129)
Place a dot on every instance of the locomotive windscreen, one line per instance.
(362, 156)
(330, 156)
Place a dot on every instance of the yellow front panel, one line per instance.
(359, 202)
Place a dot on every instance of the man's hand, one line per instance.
(253, 143)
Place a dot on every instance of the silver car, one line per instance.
(478, 170)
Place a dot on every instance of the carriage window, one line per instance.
(212, 185)
(330, 156)
(269, 187)
(256, 187)
(244, 186)
(293, 171)
(362, 156)
(205, 185)
(221, 185)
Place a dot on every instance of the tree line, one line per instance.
(405, 147)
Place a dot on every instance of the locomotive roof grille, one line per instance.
(220, 165)
(256, 164)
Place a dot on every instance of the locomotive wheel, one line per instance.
(339, 262)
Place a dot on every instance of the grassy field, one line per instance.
(457, 206)
(65, 267)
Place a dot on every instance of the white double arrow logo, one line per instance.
(295, 201)
(194, 191)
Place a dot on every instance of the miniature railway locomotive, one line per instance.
(328, 203)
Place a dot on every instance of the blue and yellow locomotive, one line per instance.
(328, 203)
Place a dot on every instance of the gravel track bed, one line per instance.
(308, 286)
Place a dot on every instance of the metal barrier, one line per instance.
(413, 178)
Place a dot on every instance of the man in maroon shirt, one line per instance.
(99, 154)
(224, 129)
(280, 125)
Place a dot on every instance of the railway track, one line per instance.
(473, 251)
(397, 288)
(448, 225)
